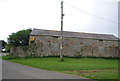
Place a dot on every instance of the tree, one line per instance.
(8, 46)
(3, 44)
(20, 38)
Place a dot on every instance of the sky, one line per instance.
(89, 16)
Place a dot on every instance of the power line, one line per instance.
(91, 14)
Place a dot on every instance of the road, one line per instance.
(12, 70)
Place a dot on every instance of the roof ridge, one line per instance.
(75, 32)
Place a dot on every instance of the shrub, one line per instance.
(10, 57)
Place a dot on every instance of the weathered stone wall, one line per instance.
(20, 51)
(50, 46)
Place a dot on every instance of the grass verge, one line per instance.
(94, 68)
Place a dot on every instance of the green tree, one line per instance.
(3, 44)
(20, 38)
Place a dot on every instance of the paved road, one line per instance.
(12, 70)
(0, 69)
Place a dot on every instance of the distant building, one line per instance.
(0, 45)
(74, 43)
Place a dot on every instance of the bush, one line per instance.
(8, 46)
(10, 57)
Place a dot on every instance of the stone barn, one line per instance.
(47, 43)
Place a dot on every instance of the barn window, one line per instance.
(100, 42)
(55, 36)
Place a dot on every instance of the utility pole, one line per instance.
(61, 39)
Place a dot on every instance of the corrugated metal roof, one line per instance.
(73, 34)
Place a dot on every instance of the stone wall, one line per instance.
(50, 46)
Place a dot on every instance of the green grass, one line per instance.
(97, 74)
(100, 68)
(111, 74)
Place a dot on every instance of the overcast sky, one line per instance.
(90, 16)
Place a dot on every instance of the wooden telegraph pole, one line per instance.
(61, 43)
